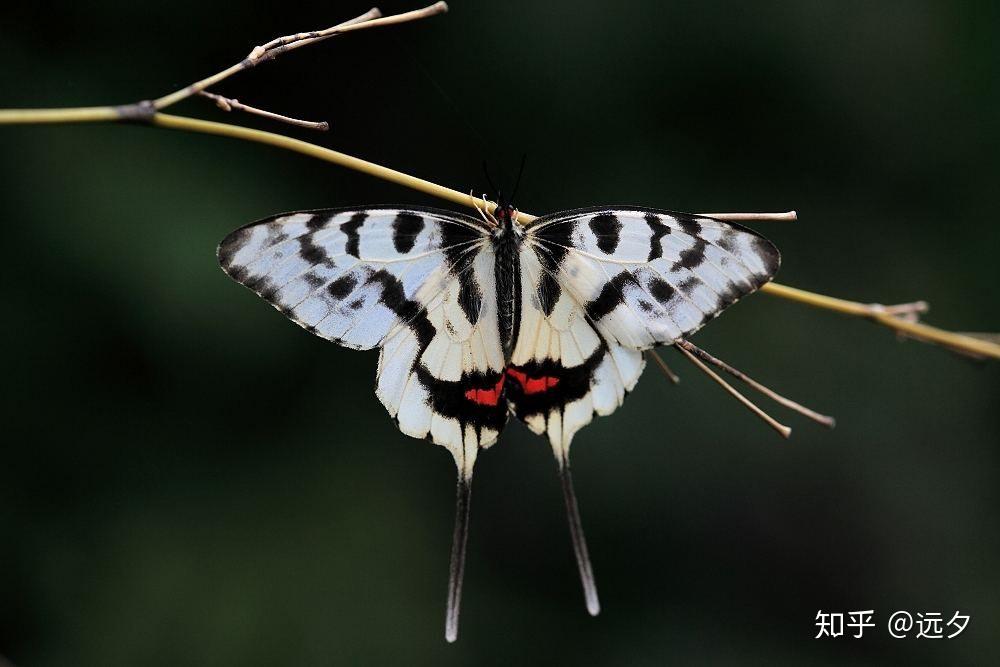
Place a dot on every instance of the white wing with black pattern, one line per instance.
(415, 282)
(648, 277)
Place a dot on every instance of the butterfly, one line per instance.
(478, 319)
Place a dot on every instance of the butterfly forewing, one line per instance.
(350, 276)
(647, 277)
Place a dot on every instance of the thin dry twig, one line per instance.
(371, 19)
(825, 420)
(662, 365)
(280, 45)
(787, 216)
(782, 430)
(233, 104)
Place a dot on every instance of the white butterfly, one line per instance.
(477, 319)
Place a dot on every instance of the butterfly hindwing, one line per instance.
(563, 371)
(450, 389)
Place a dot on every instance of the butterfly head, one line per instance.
(506, 221)
(505, 215)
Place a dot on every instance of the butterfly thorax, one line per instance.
(507, 237)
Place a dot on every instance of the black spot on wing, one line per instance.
(231, 245)
(470, 298)
(728, 241)
(554, 241)
(405, 229)
(768, 254)
(313, 253)
(612, 294)
(318, 221)
(314, 280)
(659, 230)
(351, 229)
(263, 286)
(690, 284)
(548, 292)
(607, 229)
(411, 312)
(688, 223)
(237, 273)
(342, 286)
(661, 290)
(728, 297)
(458, 242)
(691, 258)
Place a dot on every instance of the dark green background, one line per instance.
(189, 479)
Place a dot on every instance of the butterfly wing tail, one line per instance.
(579, 540)
(456, 570)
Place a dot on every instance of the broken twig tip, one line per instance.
(662, 365)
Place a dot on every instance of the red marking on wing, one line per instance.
(487, 396)
(532, 385)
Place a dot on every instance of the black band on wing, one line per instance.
(570, 384)
(466, 400)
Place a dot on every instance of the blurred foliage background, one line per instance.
(188, 478)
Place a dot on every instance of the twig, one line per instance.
(371, 19)
(147, 112)
(662, 365)
(922, 332)
(278, 46)
(825, 420)
(782, 430)
(788, 216)
(228, 104)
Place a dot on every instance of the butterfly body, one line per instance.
(477, 319)
(507, 239)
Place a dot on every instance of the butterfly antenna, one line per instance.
(456, 570)
(825, 420)
(517, 183)
(579, 541)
